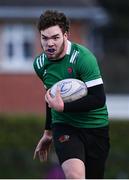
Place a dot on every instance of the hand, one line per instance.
(43, 146)
(56, 102)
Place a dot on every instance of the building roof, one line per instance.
(66, 3)
(75, 9)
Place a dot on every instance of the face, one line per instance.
(54, 42)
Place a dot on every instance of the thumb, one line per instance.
(58, 92)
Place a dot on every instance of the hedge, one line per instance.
(18, 138)
(20, 134)
(118, 161)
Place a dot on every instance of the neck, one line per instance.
(64, 51)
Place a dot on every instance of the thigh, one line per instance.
(97, 149)
(95, 168)
(67, 143)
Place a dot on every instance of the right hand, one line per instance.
(43, 146)
(55, 102)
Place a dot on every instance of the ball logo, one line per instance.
(71, 89)
(65, 87)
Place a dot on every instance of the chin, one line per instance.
(51, 57)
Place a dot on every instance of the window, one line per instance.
(18, 48)
(95, 42)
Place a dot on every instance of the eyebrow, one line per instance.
(55, 35)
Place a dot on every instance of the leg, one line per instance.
(74, 169)
(97, 149)
(95, 169)
(70, 151)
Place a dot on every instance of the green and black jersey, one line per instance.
(78, 63)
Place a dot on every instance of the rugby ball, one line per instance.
(71, 89)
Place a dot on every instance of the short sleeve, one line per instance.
(87, 67)
(37, 69)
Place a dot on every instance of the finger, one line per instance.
(42, 156)
(58, 92)
(36, 151)
(47, 102)
(48, 94)
(35, 154)
(46, 99)
(45, 155)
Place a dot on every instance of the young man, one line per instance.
(78, 129)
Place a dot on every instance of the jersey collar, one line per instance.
(68, 47)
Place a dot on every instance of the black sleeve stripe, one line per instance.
(93, 100)
(48, 118)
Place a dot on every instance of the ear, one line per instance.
(66, 35)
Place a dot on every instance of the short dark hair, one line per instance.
(53, 18)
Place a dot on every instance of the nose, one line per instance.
(50, 42)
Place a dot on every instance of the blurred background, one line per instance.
(100, 25)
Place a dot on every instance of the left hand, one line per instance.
(43, 147)
(56, 102)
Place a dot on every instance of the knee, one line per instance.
(74, 175)
(74, 169)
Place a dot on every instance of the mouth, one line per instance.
(50, 51)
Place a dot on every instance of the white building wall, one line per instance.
(118, 106)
